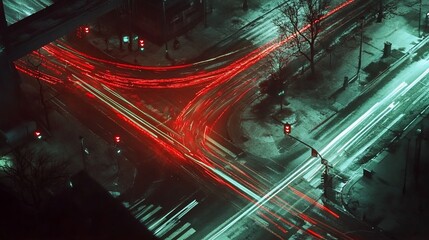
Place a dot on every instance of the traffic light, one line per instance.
(82, 31)
(117, 139)
(287, 128)
(141, 44)
(38, 134)
(326, 182)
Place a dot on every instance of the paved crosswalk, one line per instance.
(163, 223)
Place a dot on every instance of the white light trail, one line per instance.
(365, 129)
(149, 116)
(261, 201)
(114, 105)
(349, 129)
(359, 153)
(173, 220)
(417, 80)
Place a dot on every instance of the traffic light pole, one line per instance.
(165, 29)
(82, 146)
(116, 156)
(315, 153)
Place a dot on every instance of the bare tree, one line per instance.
(300, 20)
(275, 84)
(245, 5)
(36, 61)
(385, 10)
(33, 174)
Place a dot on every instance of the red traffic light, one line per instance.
(287, 128)
(86, 29)
(117, 139)
(38, 134)
(141, 44)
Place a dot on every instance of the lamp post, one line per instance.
(165, 29)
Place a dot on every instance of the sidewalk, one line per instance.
(225, 19)
(311, 104)
(380, 201)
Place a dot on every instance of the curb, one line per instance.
(378, 80)
(394, 66)
(345, 192)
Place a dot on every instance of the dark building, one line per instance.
(162, 20)
(83, 211)
(88, 211)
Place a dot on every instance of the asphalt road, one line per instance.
(279, 203)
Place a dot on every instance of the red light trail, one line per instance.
(196, 120)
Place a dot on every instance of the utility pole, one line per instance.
(165, 29)
(204, 2)
(417, 151)
(362, 18)
(406, 166)
(245, 5)
(420, 18)
(380, 11)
